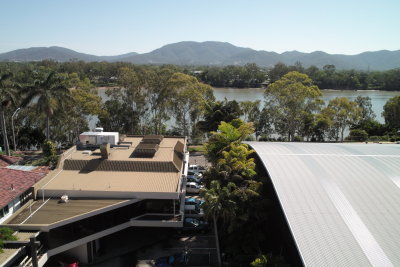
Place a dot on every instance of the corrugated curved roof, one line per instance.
(341, 201)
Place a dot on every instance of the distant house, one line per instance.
(16, 189)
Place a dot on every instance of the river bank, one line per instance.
(378, 97)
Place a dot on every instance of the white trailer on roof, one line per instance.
(98, 138)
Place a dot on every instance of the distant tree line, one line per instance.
(247, 76)
(328, 77)
(54, 101)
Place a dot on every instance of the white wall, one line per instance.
(13, 206)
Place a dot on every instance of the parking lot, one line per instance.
(200, 249)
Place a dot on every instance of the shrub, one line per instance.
(6, 234)
(49, 149)
(374, 138)
(260, 261)
(298, 139)
(358, 135)
(250, 138)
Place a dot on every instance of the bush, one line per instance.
(298, 139)
(375, 138)
(358, 135)
(260, 261)
(6, 234)
(46, 161)
(49, 149)
(250, 138)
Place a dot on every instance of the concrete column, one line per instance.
(33, 247)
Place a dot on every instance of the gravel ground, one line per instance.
(198, 159)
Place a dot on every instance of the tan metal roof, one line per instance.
(110, 181)
(52, 211)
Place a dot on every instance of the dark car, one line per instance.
(178, 259)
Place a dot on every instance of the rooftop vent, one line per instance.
(152, 139)
(144, 150)
(105, 151)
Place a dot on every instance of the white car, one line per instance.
(194, 177)
(197, 169)
(193, 187)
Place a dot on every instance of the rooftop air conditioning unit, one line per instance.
(99, 129)
(64, 198)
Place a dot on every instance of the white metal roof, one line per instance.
(341, 201)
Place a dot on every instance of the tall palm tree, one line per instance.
(47, 94)
(7, 97)
(219, 205)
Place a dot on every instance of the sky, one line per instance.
(116, 27)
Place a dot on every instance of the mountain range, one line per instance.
(218, 54)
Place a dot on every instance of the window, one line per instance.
(24, 197)
(4, 211)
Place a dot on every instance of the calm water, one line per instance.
(378, 98)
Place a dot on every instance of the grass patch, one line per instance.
(196, 149)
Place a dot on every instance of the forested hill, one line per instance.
(217, 53)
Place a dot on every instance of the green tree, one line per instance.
(358, 135)
(117, 112)
(8, 94)
(82, 107)
(157, 95)
(134, 92)
(249, 109)
(188, 101)
(321, 126)
(391, 113)
(221, 140)
(237, 162)
(289, 100)
(366, 112)
(216, 112)
(47, 94)
(343, 113)
(277, 72)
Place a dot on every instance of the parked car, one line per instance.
(193, 211)
(193, 187)
(195, 174)
(194, 201)
(178, 259)
(194, 224)
(193, 179)
(197, 168)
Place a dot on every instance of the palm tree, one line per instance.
(219, 205)
(47, 94)
(7, 97)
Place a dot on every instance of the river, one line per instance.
(378, 98)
